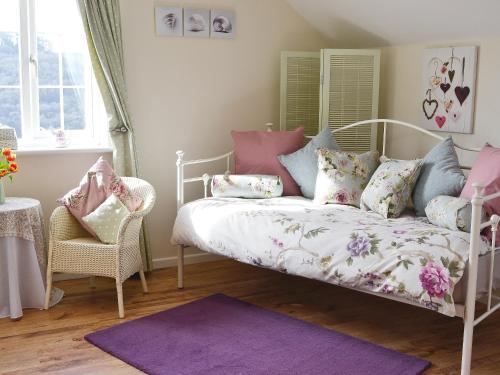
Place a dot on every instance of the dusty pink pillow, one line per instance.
(486, 169)
(257, 153)
(99, 183)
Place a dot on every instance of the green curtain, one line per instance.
(101, 20)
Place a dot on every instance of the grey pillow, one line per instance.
(440, 175)
(303, 164)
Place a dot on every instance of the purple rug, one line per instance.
(223, 335)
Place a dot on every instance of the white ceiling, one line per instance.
(371, 23)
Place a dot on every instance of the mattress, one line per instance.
(406, 258)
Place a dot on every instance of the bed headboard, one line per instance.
(386, 122)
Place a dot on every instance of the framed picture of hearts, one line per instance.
(448, 89)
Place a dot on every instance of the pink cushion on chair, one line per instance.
(257, 153)
(99, 183)
(486, 169)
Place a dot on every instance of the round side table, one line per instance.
(23, 258)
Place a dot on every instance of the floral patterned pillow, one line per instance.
(246, 186)
(450, 212)
(342, 176)
(390, 187)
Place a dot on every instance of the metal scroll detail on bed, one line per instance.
(475, 243)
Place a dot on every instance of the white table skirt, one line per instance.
(22, 284)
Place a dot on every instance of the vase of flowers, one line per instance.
(8, 167)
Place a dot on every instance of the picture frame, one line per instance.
(448, 89)
(169, 21)
(197, 22)
(222, 24)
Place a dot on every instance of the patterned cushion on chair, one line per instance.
(95, 187)
(105, 221)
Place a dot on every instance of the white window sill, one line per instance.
(24, 150)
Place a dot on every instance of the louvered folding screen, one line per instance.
(300, 91)
(349, 93)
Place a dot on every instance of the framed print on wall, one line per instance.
(169, 21)
(448, 89)
(221, 24)
(197, 22)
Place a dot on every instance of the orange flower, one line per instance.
(11, 157)
(13, 167)
(4, 173)
(6, 151)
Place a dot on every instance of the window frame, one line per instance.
(33, 134)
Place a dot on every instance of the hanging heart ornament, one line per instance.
(462, 92)
(435, 77)
(451, 74)
(440, 120)
(429, 106)
(445, 87)
(448, 104)
(436, 81)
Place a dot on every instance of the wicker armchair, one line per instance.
(72, 250)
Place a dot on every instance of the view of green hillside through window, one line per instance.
(10, 93)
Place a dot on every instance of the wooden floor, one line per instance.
(51, 342)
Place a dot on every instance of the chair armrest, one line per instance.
(64, 226)
(130, 228)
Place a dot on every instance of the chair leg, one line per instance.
(143, 281)
(180, 267)
(48, 289)
(92, 282)
(119, 292)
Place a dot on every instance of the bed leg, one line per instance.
(467, 345)
(180, 267)
(470, 300)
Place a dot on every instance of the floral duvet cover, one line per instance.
(406, 257)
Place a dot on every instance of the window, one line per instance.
(46, 78)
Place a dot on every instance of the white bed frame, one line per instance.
(466, 311)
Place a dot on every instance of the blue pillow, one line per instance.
(440, 175)
(303, 164)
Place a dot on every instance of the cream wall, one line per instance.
(188, 93)
(400, 97)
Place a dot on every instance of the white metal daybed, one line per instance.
(385, 257)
